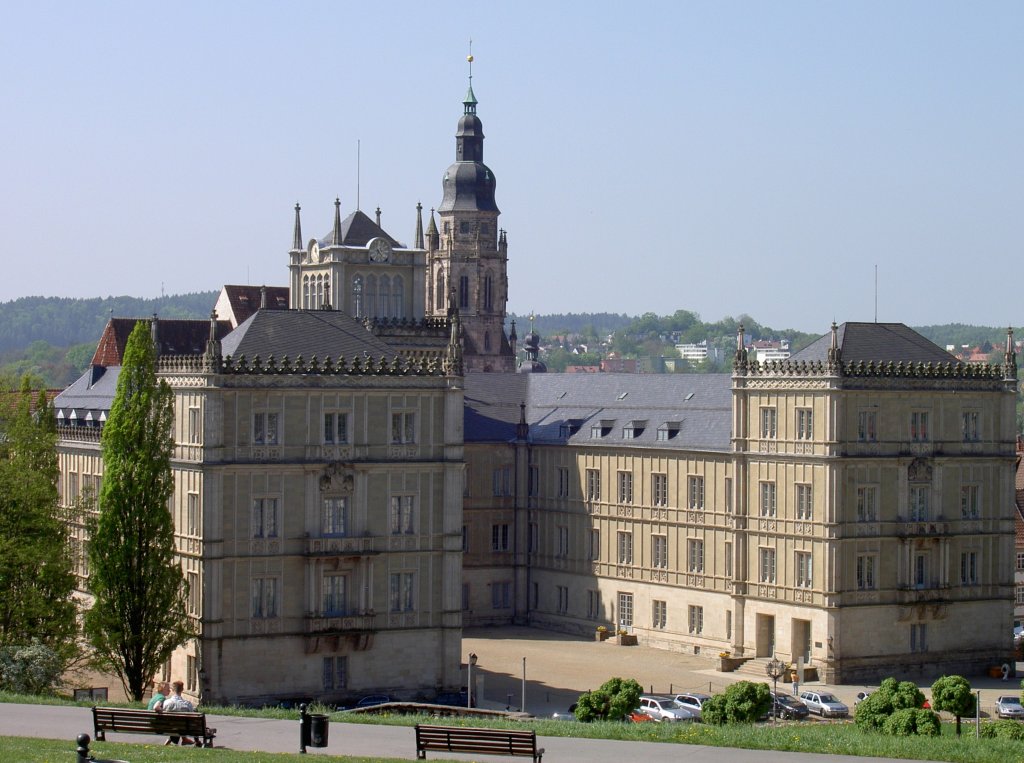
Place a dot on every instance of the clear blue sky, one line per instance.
(721, 157)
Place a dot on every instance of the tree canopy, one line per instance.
(613, 701)
(139, 616)
(953, 694)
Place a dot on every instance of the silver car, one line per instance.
(693, 702)
(824, 704)
(662, 708)
(1009, 706)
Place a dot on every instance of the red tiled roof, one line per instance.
(176, 337)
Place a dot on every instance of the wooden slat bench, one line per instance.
(482, 741)
(130, 721)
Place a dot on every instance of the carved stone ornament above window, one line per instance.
(920, 470)
(337, 477)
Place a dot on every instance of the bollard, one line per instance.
(83, 748)
(303, 729)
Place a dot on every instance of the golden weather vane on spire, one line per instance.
(469, 58)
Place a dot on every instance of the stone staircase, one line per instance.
(756, 669)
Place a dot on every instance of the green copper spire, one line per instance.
(470, 102)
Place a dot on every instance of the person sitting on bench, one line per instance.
(177, 704)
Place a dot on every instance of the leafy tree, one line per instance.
(953, 694)
(742, 702)
(873, 712)
(613, 701)
(139, 616)
(31, 669)
(35, 565)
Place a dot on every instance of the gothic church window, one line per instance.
(398, 298)
(384, 311)
(357, 296)
(464, 291)
(371, 296)
(440, 301)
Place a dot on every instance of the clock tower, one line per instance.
(467, 259)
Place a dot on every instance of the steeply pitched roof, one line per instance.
(175, 337)
(92, 391)
(243, 301)
(565, 407)
(324, 333)
(878, 342)
(356, 230)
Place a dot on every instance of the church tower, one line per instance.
(468, 257)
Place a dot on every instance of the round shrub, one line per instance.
(742, 702)
(910, 721)
(1003, 729)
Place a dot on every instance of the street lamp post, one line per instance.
(469, 686)
(774, 669)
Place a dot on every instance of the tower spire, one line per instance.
(419, 225)
(336, 235)
(470, 102)
(297, 236)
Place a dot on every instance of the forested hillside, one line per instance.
(64, 322)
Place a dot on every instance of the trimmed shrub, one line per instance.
(613, 701)
(742, 702)
(1003, 729)
(909, 721)
(873, 712)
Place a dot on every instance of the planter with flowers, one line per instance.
(727, 663)
(602, 633)
(627, 639)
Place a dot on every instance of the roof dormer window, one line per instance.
(668, 431)
(603, 428)
(633, 429)
(568, 428)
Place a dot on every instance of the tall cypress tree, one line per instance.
(139, 616)
(36, 582)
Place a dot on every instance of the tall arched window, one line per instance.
(384, 311)
(357, 296)
(488, 293)
(371, 296)
(305, 292)
(440, 303)
(398, 298)
(327, 293)
(318, 303)
(487, 341)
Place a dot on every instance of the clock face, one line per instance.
(380, 250)
(314, 253)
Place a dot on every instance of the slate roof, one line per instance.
(324, 333)
(701, 405)
(175, 337)
(356, 230)
(245, 300)
(92, 391)
(878, 342)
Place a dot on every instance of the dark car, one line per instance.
(789, 707)
(453, 699)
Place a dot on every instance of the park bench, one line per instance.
(475, 740)
(132, 721)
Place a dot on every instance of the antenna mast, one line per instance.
(876, 292)
(358, 152)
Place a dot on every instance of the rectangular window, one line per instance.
(593, 485)
(804, 502)
(502, 481)
(969, 502)
(769, 423)
(867, 426)
(401, 516)
(659, 551)
(562, 533)
(1020, 560)
(919, 426)
(728, 624)
(335, 672)
(970, 420)
(193, 514)
(969, 568)
(563, 482)
(264, 428)
(595, 545)
(264, 597)
(767, 499)
(191, 674)
(920, 571)
(866, 566)
(193, 593)
(501, 595)
(532, 480)
(867, 503)
(804, 424)
(767, 565)
(264, 518)
(695, 493)
(728, 495)
(659, 489)
(625, 610)
(625, 487)
(195, 425)
(659, 614)
(919, 495)
(334, 517)
(463, 292)
(1018, 596)
(403, 427)
(563, 599)
(593, 604)
(532, 538)
(694, 555)
(696, 619)
(804, 571)
(335, 428)
(333, 601)
(625, 547)
(400, 591)
(499, 537)
(728, 559)
(919, 637)
(465, 539)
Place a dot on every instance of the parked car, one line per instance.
(693, 702)
(788, 707)
(453, 698)
(861, 696)
(568, 715)
(1009, 706)
(637, 717)
(663, 708)
(824, 704)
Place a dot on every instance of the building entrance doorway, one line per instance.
(765, 636)
(801, 640)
